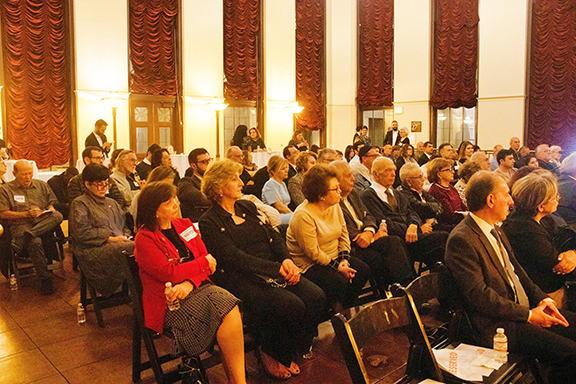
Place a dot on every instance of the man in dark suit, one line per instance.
(192, 202)
(497, 291)
(515, 147)
(386, 255)
(261, 176)
(426, 154)
(98, 139)
(290, 153)
(393, 136)
(385, 203)
(234, 153)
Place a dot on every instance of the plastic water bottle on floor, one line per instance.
(500, 346)
(13, 283)
(176, 303)
(81, 314)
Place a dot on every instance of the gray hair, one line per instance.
(568, 166)
(323, 152)
(339, 166)
(405, 130)
(408, 169)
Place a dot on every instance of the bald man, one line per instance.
(27, 205)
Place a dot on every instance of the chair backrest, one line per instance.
(356, 327)
(135, 286)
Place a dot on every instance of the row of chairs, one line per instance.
(429, 314)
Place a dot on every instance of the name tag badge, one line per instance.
(188, 234)
(19, 198)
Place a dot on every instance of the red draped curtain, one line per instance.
(37, 80)
(375, 53)
(552, 82)
(241, 27)
(310, 64)
(153, 31)
(455, 54)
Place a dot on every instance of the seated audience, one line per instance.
(385, 255)
(169, 249)
(427, 151)
(113, 158)
(304, 162)
(506, 162)
(361, 169)
(240, 138)
(192, 202)
(326, 156)
(27, 205)
(529, 160)
(59, 185)
(481, 158)
(76, 186)
(128, 184)
(406, 156)
(496, 290)
(248, 162)
(255, 266)
(567, 189)
(387, 151)
(465, 150)
(145, 166)
(162, 157)
(234, 153)
(3, 169)
(441, 174)
(395, 152)
(275, 192)
(494, 158)
(349, 153)
(544, 157)
(255, 142)
(98, 233)
(161, 173)
(385, 203)
(535, 197)
(299, 141)
(556, 155)
(425, 205)
(525, 170)
(319, 243)
(465, 172)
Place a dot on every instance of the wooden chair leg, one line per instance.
(96, 305)
(83, 291)
(136, 351)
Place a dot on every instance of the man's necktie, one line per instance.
(391, 200)
(519, 292)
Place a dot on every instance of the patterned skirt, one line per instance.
(196, 322)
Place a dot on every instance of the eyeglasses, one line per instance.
(451, 169)
(337, 189)
(207, 161)
(97, 157)
(100, 184)
(421, 177)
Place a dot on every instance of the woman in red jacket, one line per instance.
(169, 249)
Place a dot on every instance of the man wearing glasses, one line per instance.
(76, 187)
(28, 206)
(192, 202)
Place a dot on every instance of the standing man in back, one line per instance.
(393, 136)
(98, 139)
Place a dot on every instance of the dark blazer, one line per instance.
(221, 237)
(423, 159)
(567, 204)
(481, 278)
(388, 138)
(143, 170)
(398, 221)
(361, 212)
(192, 202)
(92, 141)
(428, 210)
(260, 178)
(291, 173)
(535, 250)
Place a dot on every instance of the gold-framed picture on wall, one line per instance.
(416, 126)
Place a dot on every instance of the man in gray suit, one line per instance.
(497, 292)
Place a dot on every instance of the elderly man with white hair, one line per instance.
(386, 255)
(481, 158)
(427, 207)
(543, 155)
(388, 204)
(567, 189)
